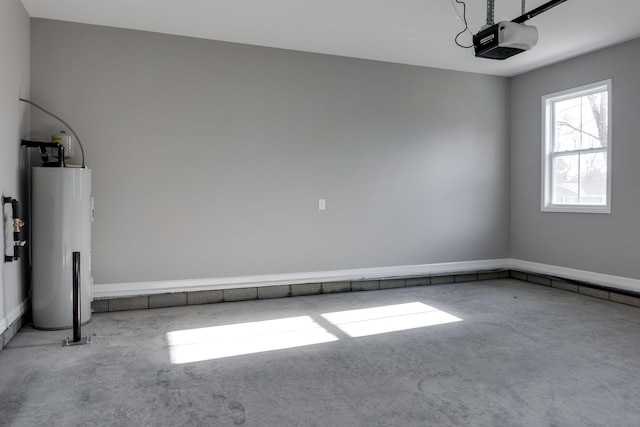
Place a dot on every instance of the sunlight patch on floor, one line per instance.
(391, 318)
(193, 345)
(217, 342)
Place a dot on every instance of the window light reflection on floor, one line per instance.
(216, 342)
(391, 318)
(193, 345)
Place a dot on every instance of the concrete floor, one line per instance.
(522, 355)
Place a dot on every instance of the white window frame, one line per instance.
(548, 135)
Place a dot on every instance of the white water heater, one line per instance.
(61, 218)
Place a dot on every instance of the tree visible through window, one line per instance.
(577, 146)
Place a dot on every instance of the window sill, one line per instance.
(577, 209)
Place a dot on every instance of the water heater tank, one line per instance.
(60, 225)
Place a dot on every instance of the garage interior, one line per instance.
(320, 215)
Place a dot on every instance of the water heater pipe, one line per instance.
(18, 243)
(61, 121)
(77, 306)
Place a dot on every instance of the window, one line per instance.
(576, 149)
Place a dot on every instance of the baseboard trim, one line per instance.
(118, 290)
(14, 315)
(589, 277)
(145, 295)
(11, 324)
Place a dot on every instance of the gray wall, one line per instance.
(14, 83)
(209, 158)
(608, 244)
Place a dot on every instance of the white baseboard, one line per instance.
(115, 290)
(14, 315)
(617, 282)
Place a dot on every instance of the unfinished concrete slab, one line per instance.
(490, 353)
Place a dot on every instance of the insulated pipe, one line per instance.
(18, 243)
(17, 222)
(43, 152)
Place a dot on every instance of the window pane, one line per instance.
(595, 118)
(568, 124)
(581, 122)
(593, 179)
(566, 171)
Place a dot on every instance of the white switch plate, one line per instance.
(322, 204)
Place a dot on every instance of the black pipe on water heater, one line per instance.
(76, 297)
(77, 339)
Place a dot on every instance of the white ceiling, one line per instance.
(417, 32)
